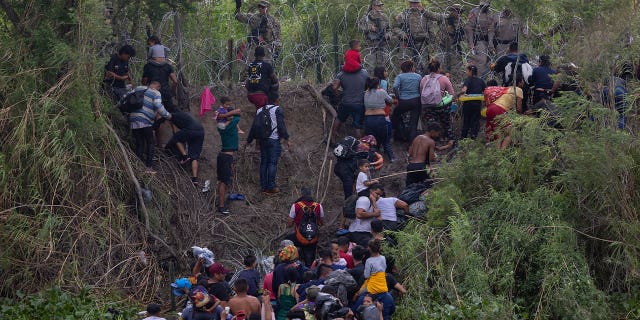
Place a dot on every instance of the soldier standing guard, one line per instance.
(412, 28)
(375, 27)
(264, 30)
(507, 31)
(452, 42)
(480, 33)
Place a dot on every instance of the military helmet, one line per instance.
(377, 3)
(414, 1)
(264, 4)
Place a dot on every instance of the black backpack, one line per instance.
(262, 126)
(346, 148)
(132, 102)
(307, 231)
(254, 79)
(349, 207)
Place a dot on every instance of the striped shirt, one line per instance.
(146, 115)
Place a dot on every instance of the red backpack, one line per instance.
(307, 230)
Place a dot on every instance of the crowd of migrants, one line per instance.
(352, 278)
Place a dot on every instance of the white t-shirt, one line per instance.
(292, 211)
(362, 177)
(387, 207)
(362, 225)
(153, 318)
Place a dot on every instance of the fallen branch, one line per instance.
(142, 206)
(320, 99)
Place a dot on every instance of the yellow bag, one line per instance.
(377, 283)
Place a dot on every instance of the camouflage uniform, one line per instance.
(507, 30)
(376, 30)
(480, 33)
(452, 42)
(412, 27)
(264, 30)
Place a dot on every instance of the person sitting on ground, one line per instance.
(187, 140)
(251, 275)
(366, 211)
(388, 211)
(364, 181)
(242, 301)
(223, 114)
(141, 122)
(117, 72)
(343, 244)
(153, 312)
(352, 59)
(422, 154)
(287, 296)
(296, 216)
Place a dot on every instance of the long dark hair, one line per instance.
(373, 83)
(434, 65)
(379, 73)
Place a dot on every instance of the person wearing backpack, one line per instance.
(262, 82)
(306, 217)
(516, 63)
(433, 88)
(268, 129)
(141, 122)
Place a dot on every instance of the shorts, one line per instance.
(192, 138)
(356, 111)
(224, 168)
(420, 175)
(259, 99)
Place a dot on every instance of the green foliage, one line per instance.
(55, 303)
(547, 228)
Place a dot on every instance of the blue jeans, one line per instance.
(388, 305)
(270, 150)
(377, 127)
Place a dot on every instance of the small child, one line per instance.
(375, 270)
(364, 181)
(225, 106)
(156, 49)
(352, 59)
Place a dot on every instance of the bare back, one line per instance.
(249, 304)
(422, 150)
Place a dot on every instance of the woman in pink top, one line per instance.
(432, 111)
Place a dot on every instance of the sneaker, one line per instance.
(207, 185)
(194, 180)
(224, 211)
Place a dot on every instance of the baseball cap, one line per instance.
(218, 268)
(264, 4)
(180, 284)
(153, 309)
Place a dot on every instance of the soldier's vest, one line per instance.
(415, 24)
(262, 25)
(380, 21)
(481, 26)
(506, 30)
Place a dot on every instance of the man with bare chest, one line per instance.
(422, 154)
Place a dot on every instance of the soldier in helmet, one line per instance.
(412, 27)
(375, 27)
(264, 29)
(452, 42)
(480, 33)
(507, 28)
